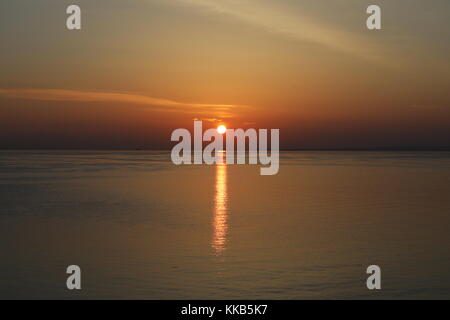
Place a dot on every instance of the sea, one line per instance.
(140, 227)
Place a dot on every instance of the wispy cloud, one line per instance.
(158, 104)
(277, 19)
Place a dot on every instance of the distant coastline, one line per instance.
(393, 149)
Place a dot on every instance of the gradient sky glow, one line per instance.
(139, 69)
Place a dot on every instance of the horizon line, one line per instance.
(443, 148)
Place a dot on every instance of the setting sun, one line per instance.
(221, 129)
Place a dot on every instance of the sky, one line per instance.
(139, 69)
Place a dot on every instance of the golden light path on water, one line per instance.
(220, 221)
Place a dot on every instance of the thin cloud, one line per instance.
(222, 110)
(281, 21)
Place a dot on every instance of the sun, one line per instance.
(221, 129)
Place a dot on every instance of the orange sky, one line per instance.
(139, 69)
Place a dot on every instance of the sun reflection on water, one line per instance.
(220, 222)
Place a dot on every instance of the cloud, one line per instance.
(275, 19)
(157, 104)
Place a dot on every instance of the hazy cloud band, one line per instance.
(222, 110)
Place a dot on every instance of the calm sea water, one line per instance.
(140, 227)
